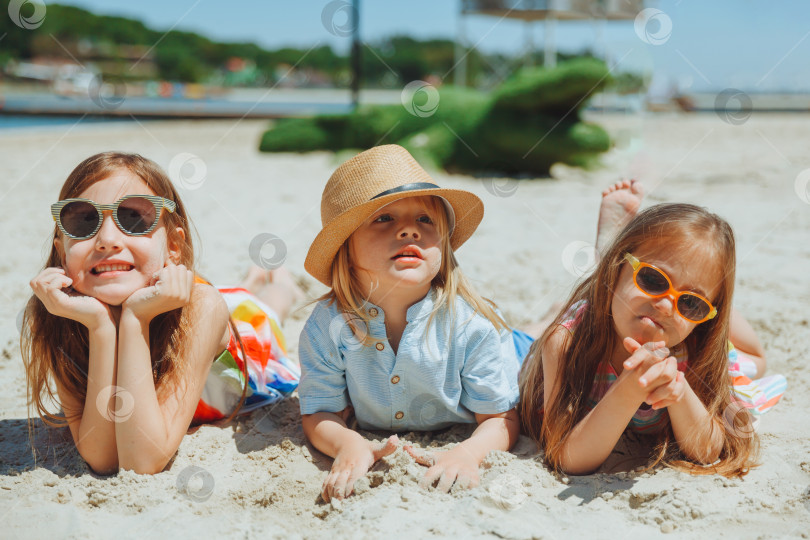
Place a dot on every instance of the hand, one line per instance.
(456, 465)
(352, 462)
(53, 288)
(648, 368)
(170, 289)
(669, 393)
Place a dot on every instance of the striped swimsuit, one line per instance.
(758, 396)
(272, 376)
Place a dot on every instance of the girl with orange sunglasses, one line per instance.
(644, 344)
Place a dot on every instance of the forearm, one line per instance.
(95, 437)
(328, 432)
(141, 433)
(493, 433)
(698, 434)
(594, 437)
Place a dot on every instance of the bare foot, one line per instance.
(277, 288)
(620, 202)
(256, 278)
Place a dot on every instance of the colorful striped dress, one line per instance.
(272, 376)
(758, 396)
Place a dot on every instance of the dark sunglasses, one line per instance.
(654, 282)
(135, 215)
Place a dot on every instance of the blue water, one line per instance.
(8, 121)
(45, 109)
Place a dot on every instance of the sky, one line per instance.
(698, 45)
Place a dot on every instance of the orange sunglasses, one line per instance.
(654, 282)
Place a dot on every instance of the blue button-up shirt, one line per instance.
(441, 374)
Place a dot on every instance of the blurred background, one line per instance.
(98, 59)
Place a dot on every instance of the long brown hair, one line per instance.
(450, 282)
(58, 347)
(678, 226)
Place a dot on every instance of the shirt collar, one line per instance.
(419, 310)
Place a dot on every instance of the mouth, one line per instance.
(108, 268)
(409, 253)
(646, 319)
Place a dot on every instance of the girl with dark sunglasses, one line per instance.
(136, 345)
(644, 344)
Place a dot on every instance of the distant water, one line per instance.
(34, 121)
(50, 106)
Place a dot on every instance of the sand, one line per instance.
(258, 477)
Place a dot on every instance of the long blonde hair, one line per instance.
(450, 283)
(57, 347)
(680, 226)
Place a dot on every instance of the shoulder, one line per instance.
(465, 314)
(323, 312)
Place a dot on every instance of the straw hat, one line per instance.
(371, 180)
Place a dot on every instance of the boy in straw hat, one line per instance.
(402, 340)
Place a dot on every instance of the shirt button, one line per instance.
(395, 379)
(380, 346)
(399, 415)
(373, 312)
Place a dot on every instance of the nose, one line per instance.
(409, 229)
(109, 236)
(665, 304)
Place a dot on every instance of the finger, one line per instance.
(666, 372)
(663, 404)
(431, 475)
(388, 447)
(644, 356)
(650, 376)
(664, 391)
(326, 488)
(59, 281)
(356, 474)
(657, 348)
(340, 484)
(631, 345)
(422, 458)
(464, 481)
(446, 480)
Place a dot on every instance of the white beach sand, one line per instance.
(258, 478)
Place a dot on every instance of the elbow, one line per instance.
(102, 468)
(574, 469)
(705, 456)
(146, 466)
(99, 464)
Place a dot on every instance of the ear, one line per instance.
(174, 244)
(60, 249)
